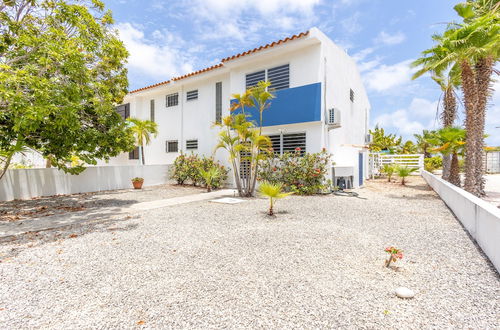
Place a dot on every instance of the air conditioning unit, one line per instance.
(368, 138)
(333, 118)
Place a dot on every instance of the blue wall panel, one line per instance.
(293, 105)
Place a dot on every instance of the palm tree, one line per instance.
(451, 141)
(273, 192)
(407, 148)
(448, 79)
(423, 144)
(142, 130)
(474, 46)
(405, 171)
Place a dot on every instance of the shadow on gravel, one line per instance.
(413, 197)
(33, 239)
(85, 204)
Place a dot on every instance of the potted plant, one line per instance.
(137, 182)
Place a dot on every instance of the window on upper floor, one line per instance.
(152, 110)
(351, 95)
(279, 77)
(123, 110)
(252, 79)
(172, 146)
(191, 144)
(172, 100)
(192, 95)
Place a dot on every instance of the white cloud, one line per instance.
(362, 54)
(419, 115)
(160, 59)
(351, 24)
(386, 77)
(389, 39)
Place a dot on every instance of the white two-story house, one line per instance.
(320, 103)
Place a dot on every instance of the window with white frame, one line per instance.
(351, 95)
(191, 144)
(172, 146)
(172, 100)
(192, 95)
(279, 77)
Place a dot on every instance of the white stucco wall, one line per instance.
(29, 183)
(313, 59)
(480, 218)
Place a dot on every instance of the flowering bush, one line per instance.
(394, 255)
(301, 173)
(191, 167)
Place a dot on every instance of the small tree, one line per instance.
(142, 130)
(404, 172)
(244, 143)
(210, 176)
(273, 191)
(451, 141)
(389, 170)
(62, 71)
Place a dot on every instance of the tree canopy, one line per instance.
(61, 74)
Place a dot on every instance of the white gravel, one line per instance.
(318, 264)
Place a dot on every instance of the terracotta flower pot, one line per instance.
(137, 184)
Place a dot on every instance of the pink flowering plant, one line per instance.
(394, 255)
(190, 168)
(299, 172)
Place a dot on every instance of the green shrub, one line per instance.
(190, 168)
(388, 169)
(433, 163)
(301, 173)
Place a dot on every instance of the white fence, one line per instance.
(35, 182)
(480, 218)
(492, 162)
(377, 161)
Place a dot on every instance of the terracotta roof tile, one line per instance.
(198, 72)
(150, 86)
(272, 44)
(275, 43)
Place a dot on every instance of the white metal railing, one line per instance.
(377, 161)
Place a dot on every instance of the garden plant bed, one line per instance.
(318, 263)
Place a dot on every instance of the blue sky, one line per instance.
(169, 38)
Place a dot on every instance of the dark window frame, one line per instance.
(192, 144)
(134, 154)
(152, 110)
(172, 100)
(192, 95)
(168, 147)
(218, 102)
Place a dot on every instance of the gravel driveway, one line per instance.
(318, 264)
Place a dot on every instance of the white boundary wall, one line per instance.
(35, 182)
(480, 218)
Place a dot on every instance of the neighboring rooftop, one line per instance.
(224, 60)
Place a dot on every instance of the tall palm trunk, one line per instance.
(454, 177)
(448, 118)
(484, 69)
(471, 135)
